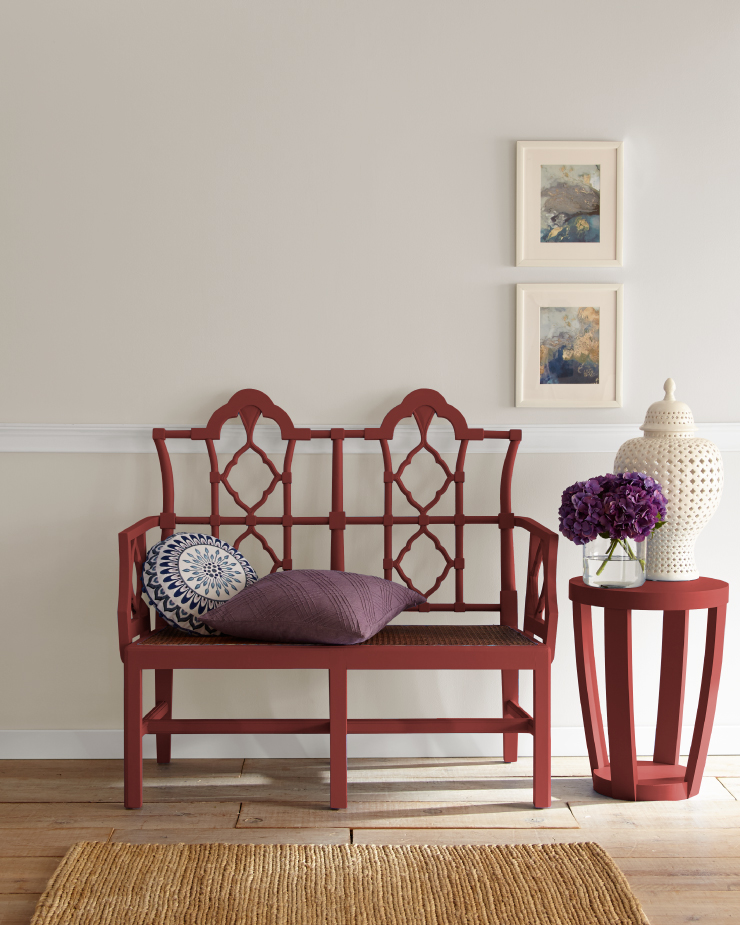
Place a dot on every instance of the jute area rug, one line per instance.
(219, 884)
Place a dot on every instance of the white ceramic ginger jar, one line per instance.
(689, 469)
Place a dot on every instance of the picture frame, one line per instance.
(569, 345)
(569, 204)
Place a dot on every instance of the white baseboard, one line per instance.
(108, 743)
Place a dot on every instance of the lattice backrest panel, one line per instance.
(423, 406)
(422, 518)
(249, 406)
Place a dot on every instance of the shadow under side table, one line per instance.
(619, 774)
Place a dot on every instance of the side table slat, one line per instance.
(588, 686)
(672, 683)
(619, 710)
(707, 698)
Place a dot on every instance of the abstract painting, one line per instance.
(569, 346)
(571, 203)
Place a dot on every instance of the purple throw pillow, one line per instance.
(313, 606)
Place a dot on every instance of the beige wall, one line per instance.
(317, 200)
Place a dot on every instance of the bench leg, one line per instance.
(338, 738)
(133, 770)
(510, 691)
(542, 745)
(163, 692)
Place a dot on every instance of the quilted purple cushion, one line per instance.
(314, 606)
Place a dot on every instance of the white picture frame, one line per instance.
(552, 321)
(587, 231)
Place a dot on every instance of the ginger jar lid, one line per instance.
(668, 416)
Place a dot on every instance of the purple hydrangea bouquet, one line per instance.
(624, 510)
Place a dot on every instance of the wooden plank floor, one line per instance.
(682, 859)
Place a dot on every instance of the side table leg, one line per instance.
(707, 699)
(619, 710)
(672, 682)
(588, 686)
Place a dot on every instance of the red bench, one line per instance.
(503, 646)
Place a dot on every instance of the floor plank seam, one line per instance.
(723, 784)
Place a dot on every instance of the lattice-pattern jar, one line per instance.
(689, 469)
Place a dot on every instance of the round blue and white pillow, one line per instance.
(189, 574)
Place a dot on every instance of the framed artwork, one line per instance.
(569, 204)
(569, 345)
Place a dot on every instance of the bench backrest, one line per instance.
(422, 405)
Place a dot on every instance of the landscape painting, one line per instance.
(571, 201)
(569, 346)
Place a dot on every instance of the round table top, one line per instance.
(699, 594)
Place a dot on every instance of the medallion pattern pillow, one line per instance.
(190, 574)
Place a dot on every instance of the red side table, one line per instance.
(619, 774)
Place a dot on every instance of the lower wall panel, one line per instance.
(59, 662)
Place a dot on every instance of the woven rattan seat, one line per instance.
(390, 636)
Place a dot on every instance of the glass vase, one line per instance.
(609, 563)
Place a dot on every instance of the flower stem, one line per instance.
(610, 553)
(627, 548)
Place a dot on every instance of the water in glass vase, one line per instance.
(610, 563)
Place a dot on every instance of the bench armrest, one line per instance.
(133, 612)
(541, 604)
